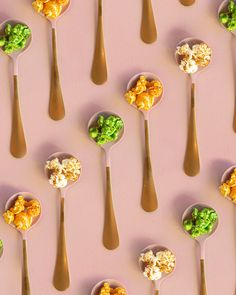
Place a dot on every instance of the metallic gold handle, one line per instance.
(156, 292)
(56, 104)
(191, 161)
(61, 278)
(25, 272)
(187, 2)
(203, 278)
(99, 67)
(148, 25)
(18, 144)
(110, 231)
(149, 196)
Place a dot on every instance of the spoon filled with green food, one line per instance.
(1, 248)
(15, 38)
(106, 129)
(200, 221)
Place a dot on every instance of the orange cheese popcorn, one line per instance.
(50, 8)
(107, 290)
(143, 94)
(23, 221)
(228, 188)
(8, 216)
(21, 214)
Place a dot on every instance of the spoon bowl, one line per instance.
(149, 76)
(92, 123)
(227, 173)
(191, 41)
(187, 214)
(111, 282)
(28, 197)
(223, 8)
(13, 22)
(61, 156)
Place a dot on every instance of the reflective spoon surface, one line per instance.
(99, 66)
(148, 24)
(187, 2)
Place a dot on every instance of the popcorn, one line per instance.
(193, 58)
(228, 188)
(50, 8)
(155, 265)
(107, 290)
(63, 172)
(143, 94)
(22, 213)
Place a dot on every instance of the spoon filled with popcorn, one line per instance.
(228, 184)
(15, 38)
(156, 264)
(106, 130)
(144, 92)
(62, 170)
(227, 18)
(109, 287)
(22, 212)
(53, 10)
(192, 56)
(200, 221)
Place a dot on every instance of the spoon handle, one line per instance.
(149, 197)
(156, 292)
(148, 25)
(25, 272)
(191, 161)
(99, 67)
(187, 2)
(110, 231)
(56, 103)
(203, 278)
(18, 144)
(61, 278)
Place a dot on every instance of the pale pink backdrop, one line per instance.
(126, 55)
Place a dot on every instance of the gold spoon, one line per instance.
(56, 102)
(110, 230)
(187, 2)
(191, 160)
(25, 272)
(18, 146)
(112, 283)
(149, 196)
(148, 25)
(99, 67)
(156, 284)
(61, 279)
(201, 240)
(223, 8)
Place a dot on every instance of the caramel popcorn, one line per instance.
(64, 171)
(50, 8)
(193, 58)
(22, 213)
(155, 265)
(107, 290)
(228, 188)
(143, 94)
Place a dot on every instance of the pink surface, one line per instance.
(126, 55)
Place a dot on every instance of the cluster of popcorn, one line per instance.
(21, 214)
(63, 172)
(155, 265)
(144, 93)
(228, 188)
(107, 290)
(191, 58)
(50, 8)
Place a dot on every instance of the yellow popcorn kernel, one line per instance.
(143, 101)
(52, 9)
(8, 217)
(33, 208)
(225, 189)
(139, 88)
(130, 97)
(38, 5)
(23, 221)
(19, 205)
(71, 168)
(63, 2)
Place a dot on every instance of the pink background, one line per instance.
(126, 55)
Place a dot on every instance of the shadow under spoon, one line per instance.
(99, 66)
